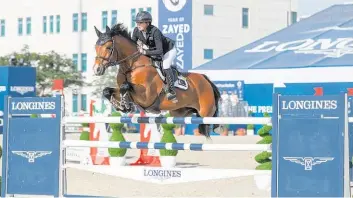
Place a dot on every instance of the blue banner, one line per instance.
(259, 98)
(234, 88)
(3, 92)
(309, 159)
(16, 82)
(175, 22)
(32, 147)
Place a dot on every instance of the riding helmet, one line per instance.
(143, 16)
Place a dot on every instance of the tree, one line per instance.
(49, 66)
(107, 80)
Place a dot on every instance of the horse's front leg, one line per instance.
(113, 96)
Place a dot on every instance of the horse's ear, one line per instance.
(97, 32)
(107, 29)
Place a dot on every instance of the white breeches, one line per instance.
(168, 58)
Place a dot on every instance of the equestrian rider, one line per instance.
(154, 44)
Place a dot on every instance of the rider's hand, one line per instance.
(141, 50)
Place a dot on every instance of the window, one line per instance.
(84, 62)
(75, 22)
(51, 24)
(140, 9)
(44, 24)
(208, 53)
(74, 103)
(28, 26)
(104, 19)
(84, 22)
(57, 23)
(149, 9)
(133, 14)
(75, 61)
(2, 28)
(20, 26)
(83, 102)
(208, 10)
(114, 17)
(245, 18)
(293, 17)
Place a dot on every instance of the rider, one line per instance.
(156, 45)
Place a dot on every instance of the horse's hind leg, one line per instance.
(182, 112)
(206, 110)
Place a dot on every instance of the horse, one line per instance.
(140, 80)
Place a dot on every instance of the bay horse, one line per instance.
(141, 79)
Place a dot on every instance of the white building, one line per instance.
(211, 27)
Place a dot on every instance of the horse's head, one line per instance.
(105, 53)
(114, 47)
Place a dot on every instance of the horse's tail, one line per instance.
(216, 93)
(205, 128)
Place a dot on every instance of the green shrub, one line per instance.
(168, 137)
(265, 140)
(263, 158)
(85, 125)
(116, 126)
(117, 136)
(264, 166)
(264, 131)
(84, 134)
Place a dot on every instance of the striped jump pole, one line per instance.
(168, 146)
(170, 120)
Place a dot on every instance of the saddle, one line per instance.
(179, 78)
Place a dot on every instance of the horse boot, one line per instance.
(171, 95)
(108, 93)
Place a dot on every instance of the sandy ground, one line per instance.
(88, 183)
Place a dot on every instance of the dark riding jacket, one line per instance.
(158, 43)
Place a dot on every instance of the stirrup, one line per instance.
(172, 97)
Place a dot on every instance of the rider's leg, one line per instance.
(167, 62)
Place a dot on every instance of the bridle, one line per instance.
(117, 61)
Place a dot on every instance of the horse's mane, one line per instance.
(121, 30)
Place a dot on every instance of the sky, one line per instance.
(310, 7)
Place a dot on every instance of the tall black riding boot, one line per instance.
(171, 95)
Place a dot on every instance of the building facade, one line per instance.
(203, 29)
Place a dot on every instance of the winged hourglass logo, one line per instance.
(31, 155)
(308, 162)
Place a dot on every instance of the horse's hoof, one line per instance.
(218, 130)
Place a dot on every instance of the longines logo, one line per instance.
(309, 104)
(174, 5)
(21, 89)
(32, 106)
(162, 174)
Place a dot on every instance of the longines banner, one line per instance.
(175, 22)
